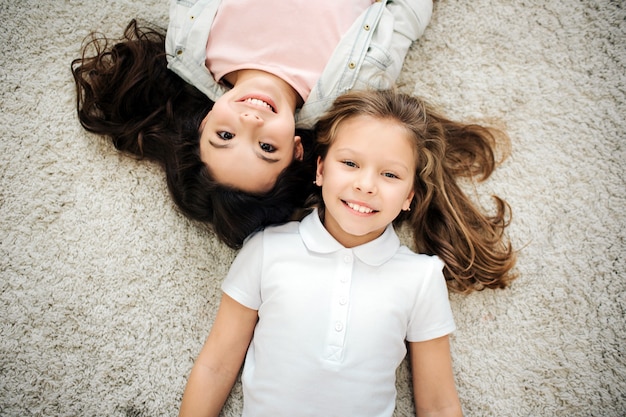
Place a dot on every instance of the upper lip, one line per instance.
(265, 99)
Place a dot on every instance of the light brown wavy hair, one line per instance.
(443, 220)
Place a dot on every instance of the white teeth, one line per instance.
(257, 102)
(358, 208)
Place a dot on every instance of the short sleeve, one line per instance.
(243, 282)
(432, 315)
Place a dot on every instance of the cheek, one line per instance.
(220, 108)
(204, 146)
(285, 129)
(203, 123)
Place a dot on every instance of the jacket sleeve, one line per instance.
(370, 55)
(410, 18)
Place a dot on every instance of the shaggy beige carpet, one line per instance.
(107, 292)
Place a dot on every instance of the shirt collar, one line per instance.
(317, 239)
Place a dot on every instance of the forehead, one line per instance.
(244, 172)
(361, 130)
(384, 141)
(367, 122)
(240, 167)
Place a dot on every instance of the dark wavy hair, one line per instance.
(443, 220)
(125, 92)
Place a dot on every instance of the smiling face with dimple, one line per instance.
(248, 137)
(366, 178)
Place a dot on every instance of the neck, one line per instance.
(242, 75)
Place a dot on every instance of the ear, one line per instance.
(298, 149)
(319, 172)
(407, 203)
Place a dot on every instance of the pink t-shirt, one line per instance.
(293, 40)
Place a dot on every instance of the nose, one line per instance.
(365, 182)
(249, 117)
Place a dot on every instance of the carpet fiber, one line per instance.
(107, 292)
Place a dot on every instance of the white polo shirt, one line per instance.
(333, 321)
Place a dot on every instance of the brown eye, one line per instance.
(225, 135)
(266, 147)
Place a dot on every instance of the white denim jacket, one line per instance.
(370, 55)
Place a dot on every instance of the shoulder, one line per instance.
(287, 228)
(265, 247)
(272, 235)
(404, 254)
(283, 231)
(420, 270)
(190, 22)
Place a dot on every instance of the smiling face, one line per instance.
(366, 178)
(247, 139)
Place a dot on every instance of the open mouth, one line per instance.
(257, 102)
(360, 209)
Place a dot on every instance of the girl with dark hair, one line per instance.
(226, 99)
(322, 310)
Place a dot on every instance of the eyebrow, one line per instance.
(258, 154)
(394, 163)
